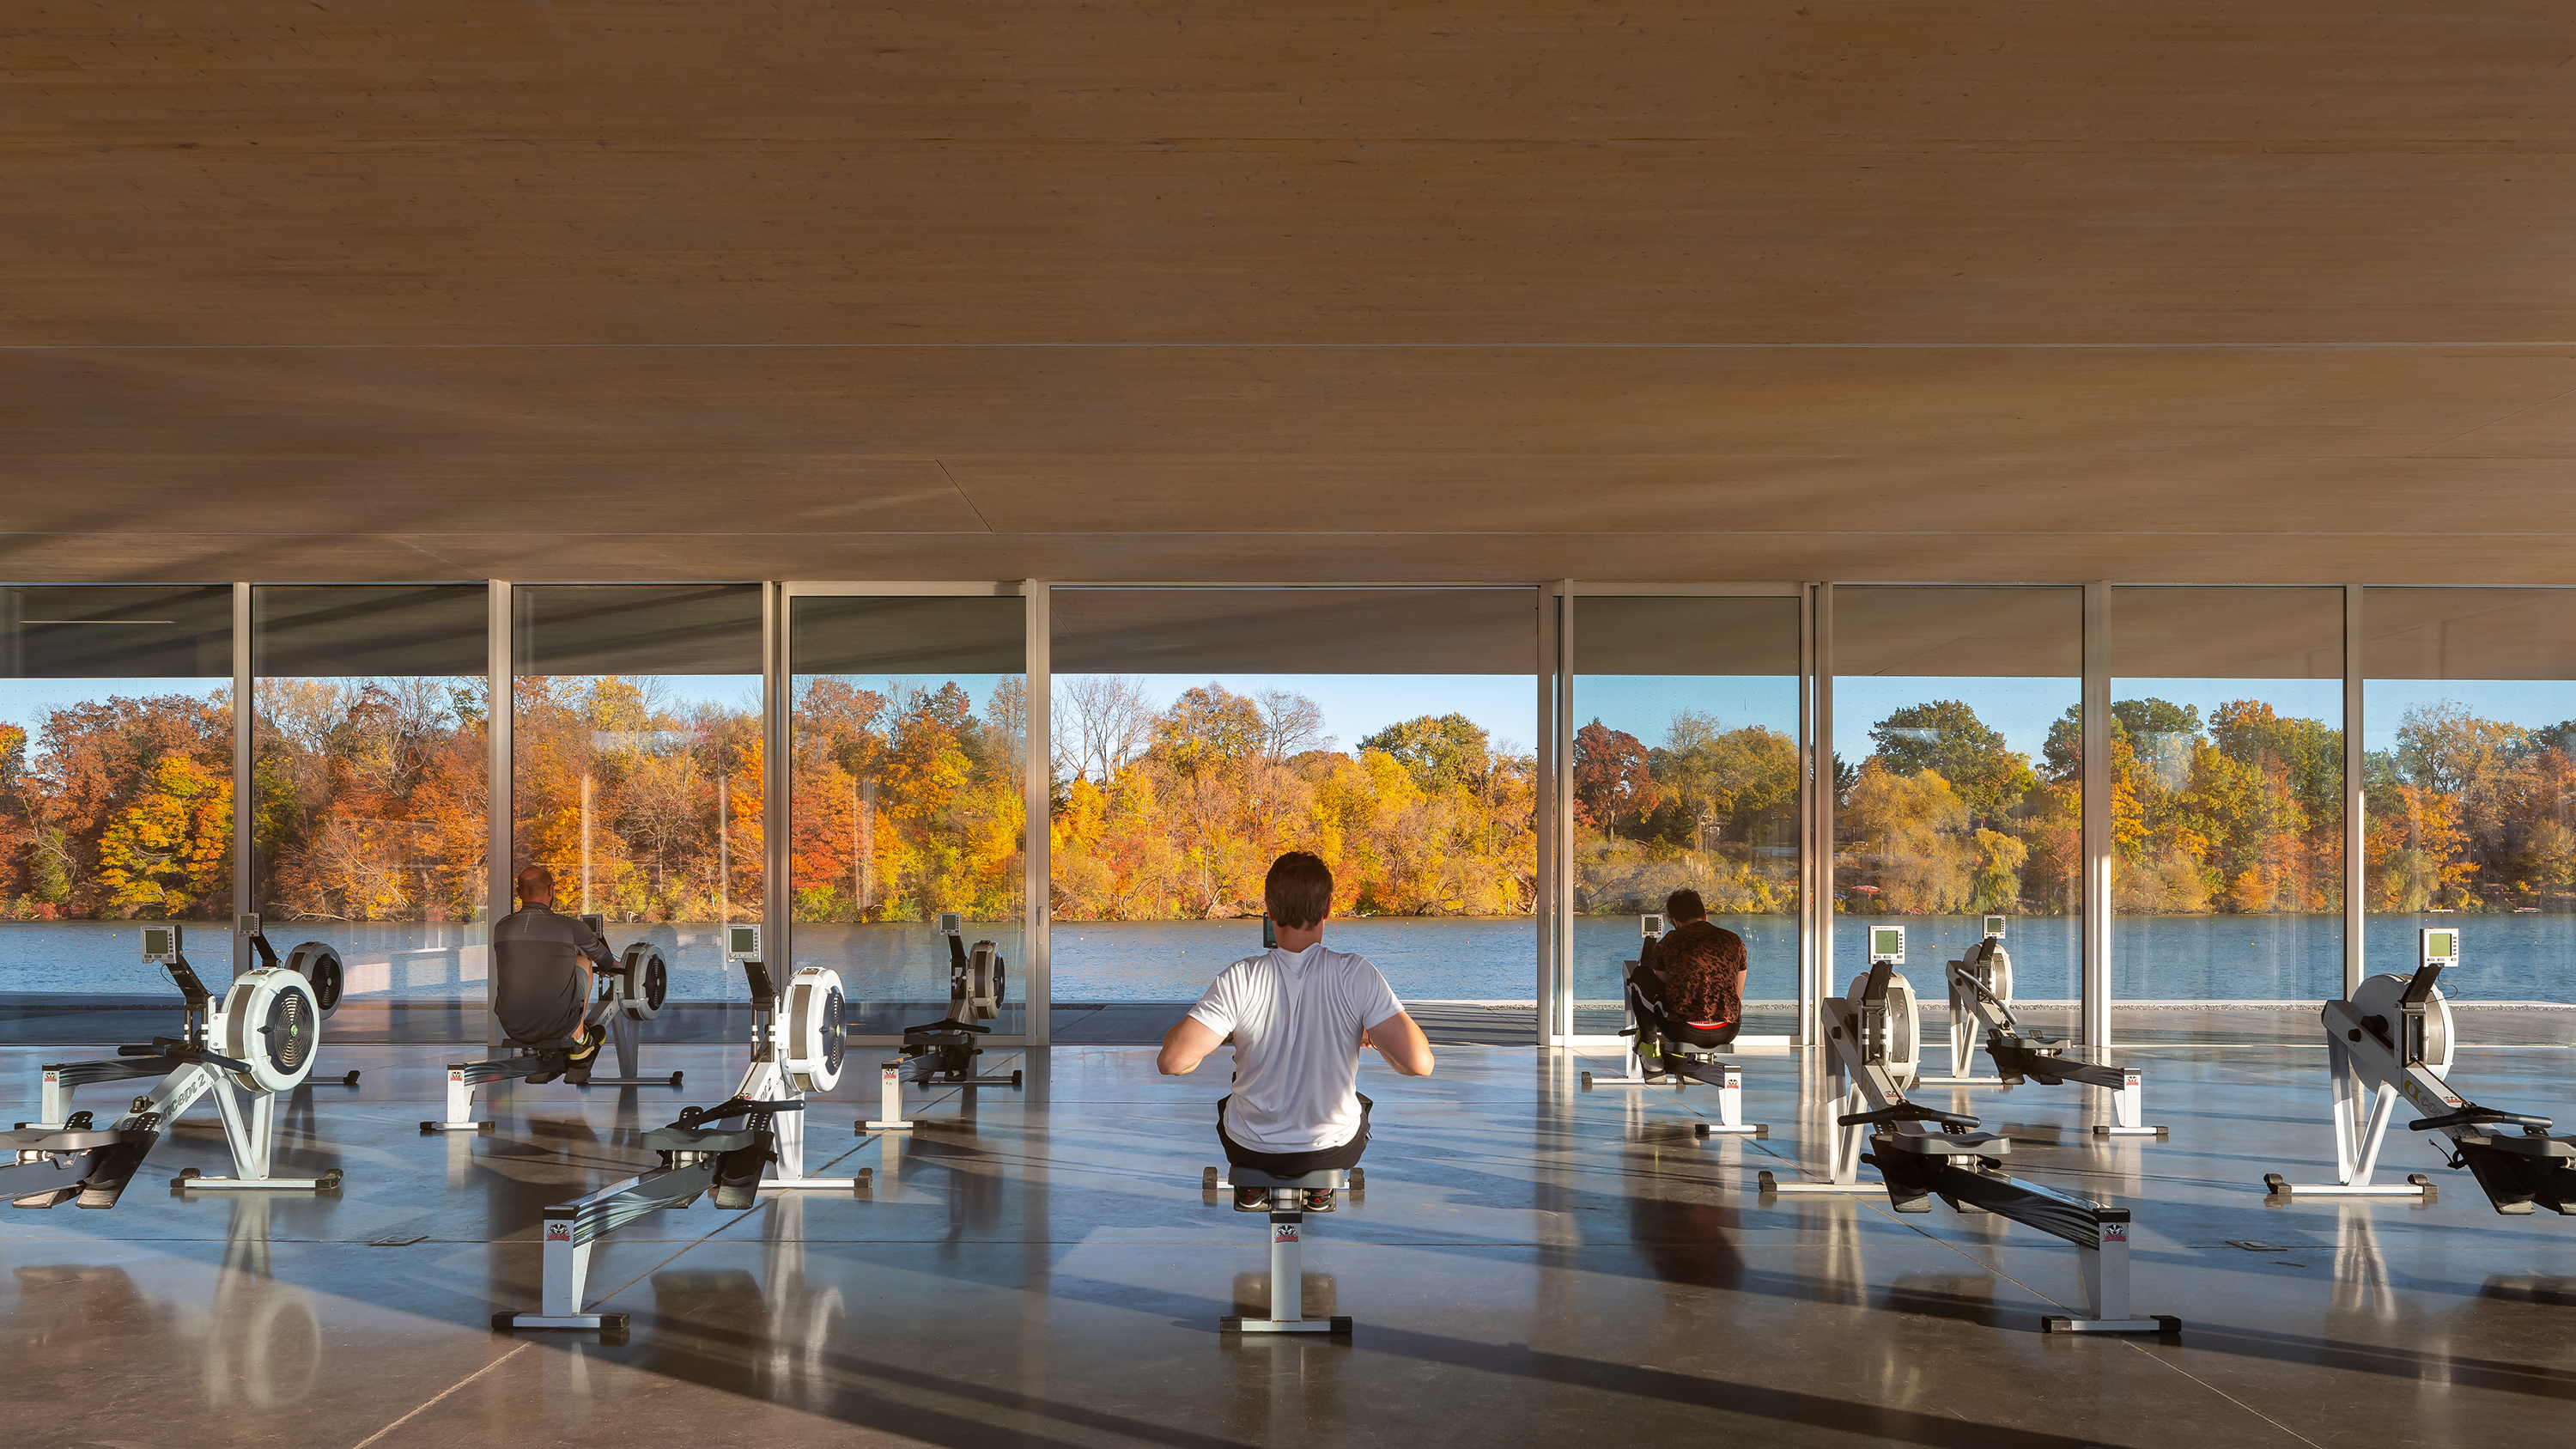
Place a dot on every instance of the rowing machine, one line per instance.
(1981, 993)
(2393, 1039)
(627, 997)
(316, 962)
(726, 1164)
(796, 1048)
(259, 1043)
(944, 1051)
(58, 1080)
(1922, 1153)
(1681, 1061)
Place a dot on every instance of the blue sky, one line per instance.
(26, 702)
(1356, 705)
(1644, 705)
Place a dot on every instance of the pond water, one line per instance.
(2161, 958)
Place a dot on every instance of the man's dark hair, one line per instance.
(1685, 906)
(1299, 890)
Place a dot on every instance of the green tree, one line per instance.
(1439, 752)
(1947, 738)
(1723, 779)
(1911, 833)
(2131, 719)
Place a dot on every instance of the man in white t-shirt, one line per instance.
(1298, 1015)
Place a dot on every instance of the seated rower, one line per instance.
(544, 974)
(1697, 984)
(1297, 1015)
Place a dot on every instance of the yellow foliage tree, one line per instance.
(170, 849)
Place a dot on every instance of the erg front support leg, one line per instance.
(2359, 1131)
(567, 1279)
(460, 1103)
(889, 1100)
(1730, 1107)
(1843, 1171)
(252, 1138)
(787, 1137)
(2105, 1267)
(2128, 1109)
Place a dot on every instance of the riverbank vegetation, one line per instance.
(907, 801)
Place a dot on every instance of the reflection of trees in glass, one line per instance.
(1944, 817)
(2240, 814)
(2470, 814)
(123, 810)
(907, 803)
(648, 810)
(1425, 817)
(2243, 815)
(1946, 738)
(1711, 808)
(371, 798)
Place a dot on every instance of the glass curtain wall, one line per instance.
(2227, 805)
(116, 794)
(1686, 748)
(909, 732)
(2469, 784)
(372, 771)
(637, 755)
(1958, 779)
(1200, 733)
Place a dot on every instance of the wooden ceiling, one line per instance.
(1402, 291)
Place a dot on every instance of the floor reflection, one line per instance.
(770, 1335)
(1532, 1260)
(264, 1350)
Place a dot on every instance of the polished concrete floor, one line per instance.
(1531, 1263)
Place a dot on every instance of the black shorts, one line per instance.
(540, 1022)
(1295, 1164)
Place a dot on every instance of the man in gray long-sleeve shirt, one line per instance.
(542, 979)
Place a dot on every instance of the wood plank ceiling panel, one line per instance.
(1867, 290)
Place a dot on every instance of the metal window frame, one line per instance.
(1554, 673)
(1816, 811)
(2101, 856)
(2093, 976)
(2355, 939)
(778, 811)
(245, 774)
(1556, 840)
(2094, 969)
(1558, 670)
(501, 804)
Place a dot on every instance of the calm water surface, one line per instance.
(2510, 957)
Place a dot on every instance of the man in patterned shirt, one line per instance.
(1700, 969)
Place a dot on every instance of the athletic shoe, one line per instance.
(579, 1061)
(1319, 1199)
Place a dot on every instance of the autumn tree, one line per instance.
(1613, 777)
